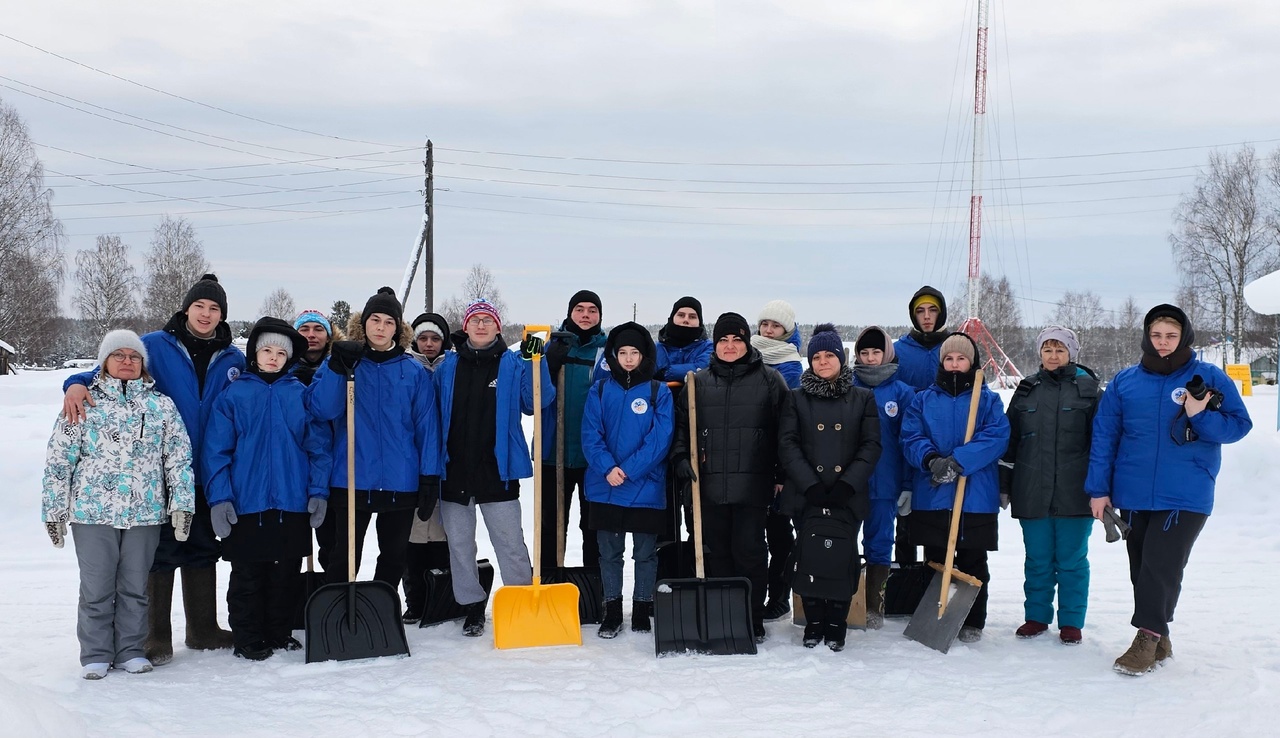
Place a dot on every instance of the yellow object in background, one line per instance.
(1242, 375)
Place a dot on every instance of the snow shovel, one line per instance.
(356, 620)
(952, 590)
(702, 615)
(586, 577)
(538, 614)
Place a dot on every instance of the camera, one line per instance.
(1198, 389)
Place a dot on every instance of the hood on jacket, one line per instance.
(942, 310)
(648, 351)
(269, 324)
(355, 331)
(954, 383)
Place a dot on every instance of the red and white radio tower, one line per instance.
(997, 366)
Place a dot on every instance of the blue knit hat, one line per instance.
(312, 316)
(825, 338)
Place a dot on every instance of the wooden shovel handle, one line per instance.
(351, 478)
(537, 449)
(958, 505)
(561, 528)
(690, 389)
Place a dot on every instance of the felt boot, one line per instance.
(199, 600)
(159, 646)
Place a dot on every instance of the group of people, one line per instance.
(178, 450)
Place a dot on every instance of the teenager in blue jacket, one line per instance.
(917, 350)
(192, 361)
(267, 463)
(627, 428)
(397, 464)
(933, 441)
(877, 369)
(1157, 448)
(683, 345)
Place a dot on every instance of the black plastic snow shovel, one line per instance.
(586, 577)
(356, 620)
(701, 615)
(941, 613)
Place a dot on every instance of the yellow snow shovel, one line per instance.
(538, 614)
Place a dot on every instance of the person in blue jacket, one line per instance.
(917, 350)
(933, 442)
(192, 361)
(876, 368)
(397, 464)
(627, 428)
(683, 345)
(268, 466)
(1157, 449)
(484, 388)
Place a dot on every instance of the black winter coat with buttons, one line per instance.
(739, 406)
(824, 440)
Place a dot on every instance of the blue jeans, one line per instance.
(644, 552)
(1057, 558)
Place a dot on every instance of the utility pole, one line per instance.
(429, 269)
(424, 242)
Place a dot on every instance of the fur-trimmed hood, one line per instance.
(355, 331)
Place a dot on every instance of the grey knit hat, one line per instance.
(279, 340)
(1065, 336)
(121, 339)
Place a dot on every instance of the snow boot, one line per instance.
(777, 608)
(137, 666)
(159, 645)
(258, 651)
(877, 579)
(288, 643)
(757, 626)
(611, 625)
(1031, 629)
(970, 634)
(199, 601)
(836, 627)
(641, 612)
(1164, 650)
(1070, 635)
(415, 585)
(94, 672)
(473, 626)
(815, 613)
(1141, 656)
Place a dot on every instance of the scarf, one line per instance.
(874, 376)
(827, 389)
(680, 336)
(774, 351)
(928, 340)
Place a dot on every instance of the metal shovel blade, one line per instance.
(936, 632)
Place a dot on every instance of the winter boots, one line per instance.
(877, 580)
(1031, 629)
(970, 634)
(836, 627)
(159, 646)
(259, 651)
(1141, 656)
(1164, 650)
(199, 601)
(815, 629)
(473, 626)
(1070, 635)
(611, 625)
(641, 612)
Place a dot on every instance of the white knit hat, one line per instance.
(121, 339)
(779, 311)
(275, 339)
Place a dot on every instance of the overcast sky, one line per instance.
(740, 151)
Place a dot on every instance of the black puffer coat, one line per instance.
(828, 439)
(1050, 429)
(739, 407)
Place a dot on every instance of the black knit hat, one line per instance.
(686, 302)
(584, 296)
(631, 335)
(207, 289)
(384, 302)
(421, 322)
(731, 324)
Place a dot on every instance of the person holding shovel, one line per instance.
(933, 442)
(1157, 448)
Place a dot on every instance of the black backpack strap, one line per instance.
(653, 394)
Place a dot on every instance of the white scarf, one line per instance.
(774, 351)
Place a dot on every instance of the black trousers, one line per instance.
(325, 538)
(393, 528)
(781, 538)
(201, 549)
(573, 479)
(262, 599)
(971, 561)
(1159, 548)
(734, 546)
(904, 551)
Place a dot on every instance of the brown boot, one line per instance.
(199, 600)
(159, 646)
(1164, 650)
(877, 578)
(1141, 656)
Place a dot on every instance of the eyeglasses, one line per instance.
(125, 358)
(483, 320)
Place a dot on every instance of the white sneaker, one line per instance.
(94, 672)
(137, 666)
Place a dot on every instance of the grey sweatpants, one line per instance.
(505, 533)
(111, 622)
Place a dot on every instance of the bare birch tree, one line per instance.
(175, 261)
(106, 284)
(278, 304)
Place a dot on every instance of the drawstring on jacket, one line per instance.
(1171, 521)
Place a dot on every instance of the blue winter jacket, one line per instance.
(893, 398)
(917, 365)
(675, 362)
(1135, 458)
(935, 423)
(262, 450)
(620, 428)
(175, 374)
(397, 423)
(512, 449)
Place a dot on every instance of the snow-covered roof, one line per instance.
(1263, 294)
(8, 348)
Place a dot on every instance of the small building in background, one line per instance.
(8, 358)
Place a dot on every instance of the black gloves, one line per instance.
(684, 472)
(531, 345)
(428, 496)
(838, 495)
(344, 356)
(944, 470)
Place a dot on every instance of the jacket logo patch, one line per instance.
(639, 406)
(891, 409)
(494, 383)
(233, 374)
(1178, 395)
(826, 543)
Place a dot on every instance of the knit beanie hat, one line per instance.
(207, 289)
(584, 296)
(1064, 336)
(121, 339)
(825, 338)
(275, 339)
(686, 302)
(874, 337)
(481, 307)
(779, 311)
(312, 316)
(631, 336)
(959, 343)
(927, 295)
(731, 324)
(384, 302)
(432, 323)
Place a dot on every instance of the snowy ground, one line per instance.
(1226, 671)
